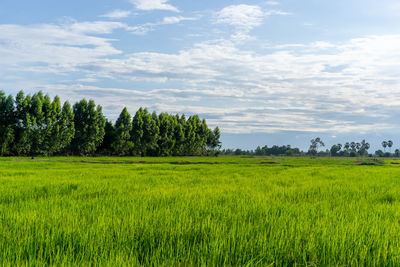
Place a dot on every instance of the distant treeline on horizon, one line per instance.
(37, 125)
(349, 149)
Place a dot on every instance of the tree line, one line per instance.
(37, 125)
(285, 150)
(348, 149)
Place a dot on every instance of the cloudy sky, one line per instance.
(266, 72)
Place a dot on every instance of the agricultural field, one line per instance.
(236, 211)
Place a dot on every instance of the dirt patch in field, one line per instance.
(397, 163)
(270, 162)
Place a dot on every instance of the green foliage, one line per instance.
(335, 150)
(108, 140)
(213, 143)
(144, 133)
(35, 125)
(315, 143)
(122, 144)
(89, 127)
(7, 120)
(166, 141)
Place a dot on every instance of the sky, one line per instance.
(265, 72)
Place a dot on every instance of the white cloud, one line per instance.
(173, 20)
(151, 26)
(241, 16)
(154, 5)
(244, 18)
(55, 48)
(319, 87)
(95, 27)
(272, 3)
(117, 14)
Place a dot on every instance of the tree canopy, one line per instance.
(37, 125)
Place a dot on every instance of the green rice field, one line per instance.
(225, 211)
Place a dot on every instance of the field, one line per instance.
(237, 211)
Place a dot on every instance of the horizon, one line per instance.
(265, 72)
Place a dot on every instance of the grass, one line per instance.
(304, 212)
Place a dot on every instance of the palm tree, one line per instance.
(384, 144)
(353, 146)
(358, 146)
(390, 144)
(367, 146)
(364, 147)
(347, 146)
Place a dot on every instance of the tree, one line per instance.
(196, 133)
(213, 143)
(258, 151)
(123, 144)
(353, 146)
(347, 146)
(23, 125)
(7, 122)
(137, 134)
(384, 144)
(63, 129)
(397, 152)
(315, 143)
(89, 127)
(31, 125)
(335, 150)
(109, 138)
(358, 146)
(390, 144)
(179, 135)
(38, 129)
(379, 153)
(363, 149)
(144, 133)
(166, 141)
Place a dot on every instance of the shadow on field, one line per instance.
(138, 162)
(369, 162)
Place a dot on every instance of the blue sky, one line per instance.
(266, 72)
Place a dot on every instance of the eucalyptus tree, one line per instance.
(166, 140)
(109, 138)
(196, 132)
(23, 124)
(123, 144)
(7, 123)
(179, 135)
(144, 133)
(214, 144)
(89, 127)
(61, 128)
